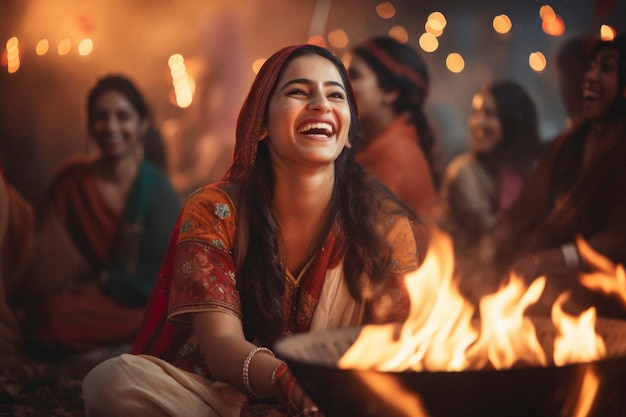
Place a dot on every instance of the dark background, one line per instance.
(42, 115)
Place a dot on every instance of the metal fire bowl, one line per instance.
(552, 391)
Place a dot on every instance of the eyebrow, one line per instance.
(309, 82)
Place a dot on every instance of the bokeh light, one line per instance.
(399, 33)
(85, 47)
(42, 47)
(607, 33)
(553, 27)
(428, 42)
(502, 24)
(338, 38)
(434, 27)
(386, 10)
(184, 85)
(317, 40)
(455, 62)
(537, 61)
(64, 47)
(257, 64)
(438, 17)
(13, 55)
(546, 12)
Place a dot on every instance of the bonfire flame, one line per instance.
(440, 335)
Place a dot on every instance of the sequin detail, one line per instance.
(186, 226)
(222, 211)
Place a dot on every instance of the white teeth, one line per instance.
(327, 127)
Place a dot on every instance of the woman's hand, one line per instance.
(291, 393)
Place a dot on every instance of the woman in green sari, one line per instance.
(101, 233)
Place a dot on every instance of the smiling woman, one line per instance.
(297, 237)
(101, 233)
(576, 191)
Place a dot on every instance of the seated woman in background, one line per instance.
(479, 184)
(578, 189)
(391, 83)
(296, 238)
(102, 232)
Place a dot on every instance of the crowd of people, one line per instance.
(322, 212)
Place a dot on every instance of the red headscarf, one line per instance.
(252, 115)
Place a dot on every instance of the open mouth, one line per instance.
(319, 129)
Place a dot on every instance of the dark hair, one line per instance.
(520, 143)
(572, 60)
(398, 67)
(356, 205)
(618, 43)
(122, 85)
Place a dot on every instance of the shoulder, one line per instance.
(74, 167)
(207, 211)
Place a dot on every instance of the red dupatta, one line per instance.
(157, 336)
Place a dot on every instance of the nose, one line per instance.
(319, 103)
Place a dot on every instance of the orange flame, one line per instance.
(605, 277)
(441, 335)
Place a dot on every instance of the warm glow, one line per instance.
(85, 47)
(441, 333)
(13, 55)
(502, 24)
(606, 277)
(399, 33)
(42, 47)
(438, 17)
(455, 62)
(576, 339)
(428, 42)
(546, 13)
(554, 27)
(257, 64)
(386, 10)
(184, 85)
(434, 27)
(317, 40)
(64, 47)
(12, 43)
(537, 61)
(338, 38)
(607, 33)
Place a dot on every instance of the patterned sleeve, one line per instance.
(390, 300)
(204, 270)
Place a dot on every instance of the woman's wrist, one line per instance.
(570, 255)
(246, 370)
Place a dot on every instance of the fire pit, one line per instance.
(595, 388)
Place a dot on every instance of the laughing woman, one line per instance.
(576, 190)
(297, 237)
(102, 233)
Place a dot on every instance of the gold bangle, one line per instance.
(246, 369)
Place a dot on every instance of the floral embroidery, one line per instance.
(186, 226)
(218, 244)
(222, 211)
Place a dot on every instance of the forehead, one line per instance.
(310, 67)
(607, 53)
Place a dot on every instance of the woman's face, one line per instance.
(601, 86)
(369, 96)
(484, 124)
(115, 125)
(308, 116)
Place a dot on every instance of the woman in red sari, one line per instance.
(297, 237)
(391, 82)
